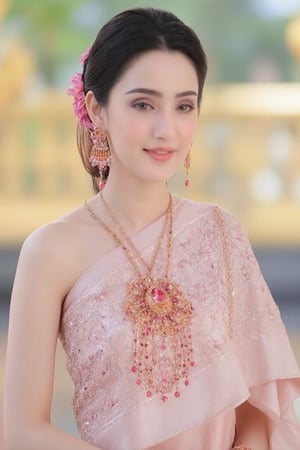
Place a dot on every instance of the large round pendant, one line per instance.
(162, 347)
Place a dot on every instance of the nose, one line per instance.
(164, 126)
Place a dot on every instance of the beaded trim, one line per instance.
(240, 447)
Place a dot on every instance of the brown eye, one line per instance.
(142, 106)
(186, 107)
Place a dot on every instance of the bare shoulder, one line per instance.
(53, 239)
(53, 252)
(50, 261)
(65, 247)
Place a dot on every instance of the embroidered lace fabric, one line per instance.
(255, 364)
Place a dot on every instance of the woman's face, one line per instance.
(151, 116)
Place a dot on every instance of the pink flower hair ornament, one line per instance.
(77, 91)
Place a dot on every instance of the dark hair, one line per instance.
(126, 35)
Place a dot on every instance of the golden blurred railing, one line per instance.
(246, 156)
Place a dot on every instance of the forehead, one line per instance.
(163, 70)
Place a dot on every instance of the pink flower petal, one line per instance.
(85, 55)
(76, 89)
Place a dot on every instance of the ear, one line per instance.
(95, 110)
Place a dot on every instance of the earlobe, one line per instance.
(94, 109)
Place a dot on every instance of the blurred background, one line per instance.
(246, 155)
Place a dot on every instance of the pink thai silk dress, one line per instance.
(240, 346)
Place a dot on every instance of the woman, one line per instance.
(172, 338)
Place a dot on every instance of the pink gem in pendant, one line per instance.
(158, 295)
(164, 398)
(149, 394)
(177, 394)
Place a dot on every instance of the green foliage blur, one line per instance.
(237, 37)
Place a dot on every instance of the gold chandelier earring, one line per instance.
(100, 154)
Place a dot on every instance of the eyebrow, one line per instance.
(159, 94)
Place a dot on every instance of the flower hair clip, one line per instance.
(77, 91)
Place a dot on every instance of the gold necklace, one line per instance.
(160, 315)
(128, 242)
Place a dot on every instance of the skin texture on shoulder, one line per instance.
(51, 259)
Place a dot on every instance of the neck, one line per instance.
(136, 205)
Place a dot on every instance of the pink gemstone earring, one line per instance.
(187, 165)
(100, 155)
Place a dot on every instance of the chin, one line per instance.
(162, 180)
(159, 176)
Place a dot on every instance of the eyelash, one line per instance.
(144, 106)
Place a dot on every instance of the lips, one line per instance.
(160, 153)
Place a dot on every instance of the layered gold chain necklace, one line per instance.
(160, 314)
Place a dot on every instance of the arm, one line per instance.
(44, 275)
(251, 428)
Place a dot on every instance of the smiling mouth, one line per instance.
(159, 150)
(160, 154)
